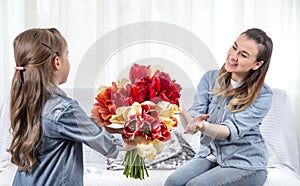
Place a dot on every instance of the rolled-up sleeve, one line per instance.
(241, 122)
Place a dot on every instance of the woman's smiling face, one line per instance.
(241, 58)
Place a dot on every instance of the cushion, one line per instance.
(278, 131)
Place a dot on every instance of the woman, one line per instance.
(228, 108)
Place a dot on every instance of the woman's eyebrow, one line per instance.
(243, 51)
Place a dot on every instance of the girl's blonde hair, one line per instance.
(245, 95)
(34, 50)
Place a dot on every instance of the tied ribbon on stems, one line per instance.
(144, 105)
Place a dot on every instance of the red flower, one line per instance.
(138, 72)
(163, 88)
(120, 96)
(139, 90)
(147, 126)
(161, 132)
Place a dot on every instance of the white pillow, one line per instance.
(279, 132)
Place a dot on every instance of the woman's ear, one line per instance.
(56, 63)
(257, 65)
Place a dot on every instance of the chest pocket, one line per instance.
(216, 109)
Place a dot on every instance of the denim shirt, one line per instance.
(245, 147)
(60, 159)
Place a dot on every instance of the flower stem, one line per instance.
(135, 166)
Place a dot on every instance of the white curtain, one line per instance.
(216, 23)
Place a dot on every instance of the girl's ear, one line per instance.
(56, 63)
(257, 65)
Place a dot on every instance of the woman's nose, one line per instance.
(234, 56)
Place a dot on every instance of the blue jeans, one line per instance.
(202, 172)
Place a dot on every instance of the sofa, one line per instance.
(277, 129)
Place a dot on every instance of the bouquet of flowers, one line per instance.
(144, 105)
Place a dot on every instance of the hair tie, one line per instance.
(19, 68)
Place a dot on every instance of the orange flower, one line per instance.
(104, 108)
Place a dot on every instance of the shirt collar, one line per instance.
(235, 84)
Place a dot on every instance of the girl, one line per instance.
(228, 108)
(48, 127)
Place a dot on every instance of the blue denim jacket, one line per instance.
(65, 127)
(245, 147)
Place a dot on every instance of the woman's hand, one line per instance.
(218, 131)
(196, 124)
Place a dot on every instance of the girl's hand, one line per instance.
(114, 130)
(196, 124)
(129, 144)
